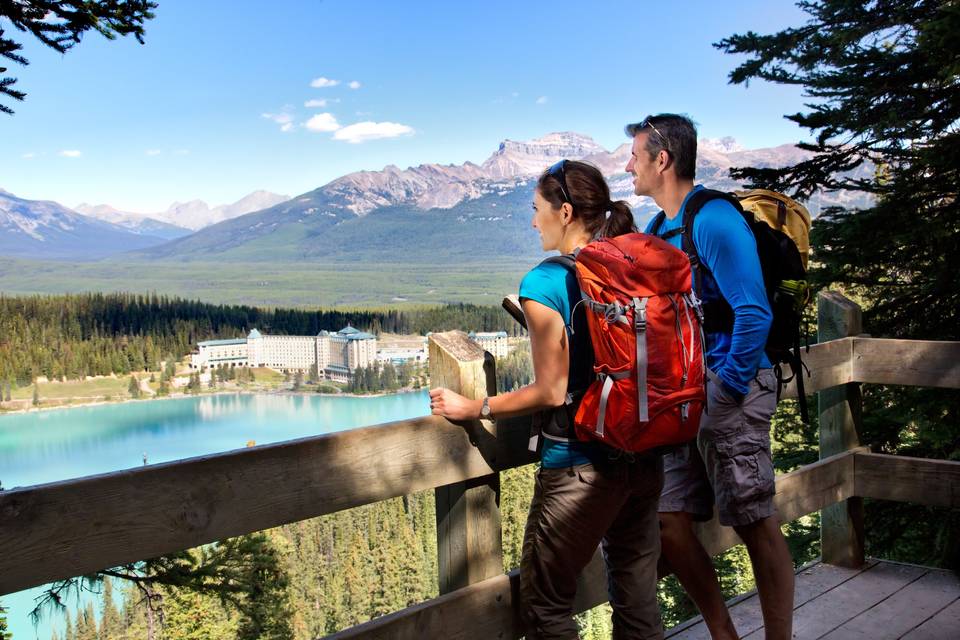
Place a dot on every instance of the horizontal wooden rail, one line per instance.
(934, 483)
(64, 529)
(919, 363)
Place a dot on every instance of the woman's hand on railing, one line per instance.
(446, 403)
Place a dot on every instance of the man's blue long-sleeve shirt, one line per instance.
(727, 247)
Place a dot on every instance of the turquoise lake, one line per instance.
(47, 446)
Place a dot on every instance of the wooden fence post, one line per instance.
(469, 542)
(840, 409)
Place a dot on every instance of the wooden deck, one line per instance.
(881, 600)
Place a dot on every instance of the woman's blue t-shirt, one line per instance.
(555, 286)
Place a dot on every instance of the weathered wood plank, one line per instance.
(808, 489)
(481, 611)
(833, 608)
(829, 365)
(904, 610)
(65, 529)
(469, 545)
(841, 525)
(934, 483)
(921, 363)
(944, 624)
(812, 580)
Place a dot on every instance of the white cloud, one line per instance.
(542, 100)
(322, 122)
(364, 131)
(284, 119)
(354, 84)
(153, 152)
(29, 155)
(315, 104)
(70, 153)
(322, 83)
(279, 118)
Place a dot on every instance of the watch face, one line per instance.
(485, 409)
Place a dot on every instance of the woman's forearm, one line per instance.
(529, 399)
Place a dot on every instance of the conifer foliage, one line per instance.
(883, 83)
(61, 24)
(4, 633)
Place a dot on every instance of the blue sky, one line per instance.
(183, 116)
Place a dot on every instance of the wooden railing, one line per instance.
(64, 529)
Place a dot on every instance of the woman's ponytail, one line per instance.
(619, 220)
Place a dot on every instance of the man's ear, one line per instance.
(664, 160)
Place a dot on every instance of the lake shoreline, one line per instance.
(68, 404)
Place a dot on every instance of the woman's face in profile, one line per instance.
(548, 220)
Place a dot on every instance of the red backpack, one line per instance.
(644, 324)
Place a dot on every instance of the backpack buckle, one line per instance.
(640, 314)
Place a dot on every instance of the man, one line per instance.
(730, 463)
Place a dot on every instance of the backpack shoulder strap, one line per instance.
(568, 260)
(693, 207)
(690, 211)
(658, 223)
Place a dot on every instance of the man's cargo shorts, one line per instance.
(730, 463)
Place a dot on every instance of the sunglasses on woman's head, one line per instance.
(557, 172)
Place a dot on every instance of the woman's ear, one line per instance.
(566, 213)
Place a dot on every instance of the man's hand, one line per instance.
(454, 406)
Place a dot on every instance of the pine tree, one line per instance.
(7, 394)
(882, 80)
(189, 615)
(86, 623)
(36, 394)
(69, 633)
(134, 387)
(298, 380)
(61, 24)
(111, 626)
(4, 632)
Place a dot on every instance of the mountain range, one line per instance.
(426, 214)
(183, 217)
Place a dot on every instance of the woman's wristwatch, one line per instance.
(485, 408)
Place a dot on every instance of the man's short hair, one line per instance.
(673, 133)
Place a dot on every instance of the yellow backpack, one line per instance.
(782, 213)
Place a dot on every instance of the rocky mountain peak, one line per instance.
(513, 159)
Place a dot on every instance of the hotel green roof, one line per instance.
(221, 343)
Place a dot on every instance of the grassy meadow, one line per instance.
(353, 285)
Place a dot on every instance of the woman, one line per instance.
(586, 492)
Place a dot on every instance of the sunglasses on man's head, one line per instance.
(646, 123)
(557, 172)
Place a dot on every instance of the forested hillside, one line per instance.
(98, 334)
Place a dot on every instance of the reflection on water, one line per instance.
(68, 443)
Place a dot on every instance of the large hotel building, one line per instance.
(336, 355)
